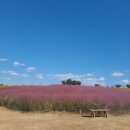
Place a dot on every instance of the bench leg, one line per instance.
(80, 111)
(105, 114)
(93, 114)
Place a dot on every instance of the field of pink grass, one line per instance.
(60, 97)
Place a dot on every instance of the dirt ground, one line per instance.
(14, 120)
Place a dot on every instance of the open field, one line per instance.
(64, 98)
(15, 120)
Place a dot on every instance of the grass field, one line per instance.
(15, 120)
(64, 98)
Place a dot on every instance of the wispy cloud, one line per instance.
(124, 82)
(3, 59)
(101, 79)
(89, 75)
(10, 72)
(24, 75)
(65, 76)
(5, 78)
(13, 73)
(86, 79)
(70, 75)
(92, 81)
(117, 74)
(16, 63)
(39, 76)
(30, 69)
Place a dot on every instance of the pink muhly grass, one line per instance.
(111, 98)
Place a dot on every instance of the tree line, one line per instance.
(76, 82)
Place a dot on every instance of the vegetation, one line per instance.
(71, 82)
(118, 86)
(96, 85)
(64, 98)
(128, 85)
(1, 84)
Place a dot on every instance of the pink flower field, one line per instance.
(60, 97)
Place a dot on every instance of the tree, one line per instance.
(74, 82)
(1, 84)
(71, 82)
(118, 86)
(63, 82)
(128, 85)
(96, 85)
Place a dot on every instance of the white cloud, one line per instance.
(89, 75)
(30, 69)
(3, 59)
(6, 78)
(102, 79)
(24, 75)
(117, 74)
(16, 63)
(124, 82)
(93, 81)
(13, 73)
(65, 76)
(39, 76)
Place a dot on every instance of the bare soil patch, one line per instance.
(14, 120)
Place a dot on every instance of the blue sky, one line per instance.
(44, 42)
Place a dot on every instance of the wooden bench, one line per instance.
(95, 111)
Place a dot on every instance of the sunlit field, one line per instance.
(127, 89)
(64, 98)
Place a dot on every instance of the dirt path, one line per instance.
(13, 120)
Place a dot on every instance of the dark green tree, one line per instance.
(71, 82)
(118, 86)
(96, 85)
(74, 82)
(63, 82)
(1, 84)
(128, 85)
